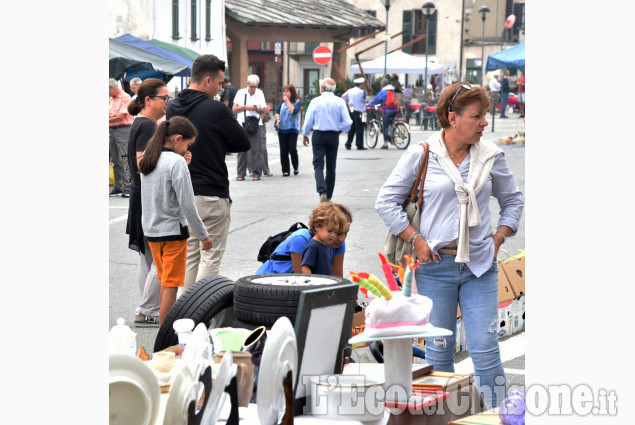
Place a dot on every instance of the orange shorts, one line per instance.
(170, 258)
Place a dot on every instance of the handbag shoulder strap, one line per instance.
(421, 176)
(245, 104)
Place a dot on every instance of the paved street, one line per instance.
(266, 207)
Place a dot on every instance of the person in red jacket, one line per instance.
(521, 94)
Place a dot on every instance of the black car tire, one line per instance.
(263, 299)
(210, 301)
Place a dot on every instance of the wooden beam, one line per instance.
(408, 43)
(358, 41)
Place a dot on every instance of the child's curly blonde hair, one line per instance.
(329, 213)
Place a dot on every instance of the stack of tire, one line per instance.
(250, 302)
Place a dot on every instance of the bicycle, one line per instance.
(399, 133)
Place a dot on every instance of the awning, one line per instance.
(514, 57)
(153, 48)
(183, 51)
(124, 56)
(398, 62)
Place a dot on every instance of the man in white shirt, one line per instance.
(250, 102)
(494, 88)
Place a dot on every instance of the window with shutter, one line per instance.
(175, 19)
(193, 21)
(363, 32)
(519, 24)
(414, 26)
(432, 34)
(208, 20)
(407, 30)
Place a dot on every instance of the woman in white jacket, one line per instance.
(455, 240)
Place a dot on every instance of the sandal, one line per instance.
(256, 178)
(285, 174)
(239, 178)
(295, 172)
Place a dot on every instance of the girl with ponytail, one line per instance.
(167, 199)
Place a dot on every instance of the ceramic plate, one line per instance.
(429, 333)
(182, 392)
(278, 358)
(218, 396)
(134, 391)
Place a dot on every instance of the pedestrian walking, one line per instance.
(167, 200)
(287, 118)
(521, 94)
(504, 92)
(119, 122)
(356, 99)
(249, 105)
(327, 115)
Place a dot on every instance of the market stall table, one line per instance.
(463, 400)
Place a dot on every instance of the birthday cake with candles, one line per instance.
(395, 310)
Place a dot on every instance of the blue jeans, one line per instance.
(448, 284)
(504, 97)
(386, 124)
(325, 145)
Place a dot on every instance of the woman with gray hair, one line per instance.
(250, 104)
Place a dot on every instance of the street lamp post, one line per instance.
(386, 4)
(428, 9)
(484, 10)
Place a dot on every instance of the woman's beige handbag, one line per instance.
(395, 247)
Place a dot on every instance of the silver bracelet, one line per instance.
(412, 239)
(504, 237)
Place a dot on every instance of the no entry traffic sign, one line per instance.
(322, 55)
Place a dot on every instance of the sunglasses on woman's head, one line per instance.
(462, 86)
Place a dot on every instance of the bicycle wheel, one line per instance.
(401, 135)
(372, 134)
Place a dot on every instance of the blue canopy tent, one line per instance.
(153, 48)
(512, 58)
(125, 58)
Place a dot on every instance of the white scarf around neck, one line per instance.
(482, 156)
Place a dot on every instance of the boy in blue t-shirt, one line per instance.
(325, 222)
(289, 253)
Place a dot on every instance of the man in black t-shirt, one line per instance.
(229, 92)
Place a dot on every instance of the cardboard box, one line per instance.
(505, 290)
(518, 314)
(489, 417)
(504, 318)
(514, 270)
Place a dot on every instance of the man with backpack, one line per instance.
(388, 100)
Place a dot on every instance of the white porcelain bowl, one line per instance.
(134, 395)
(346, 398)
